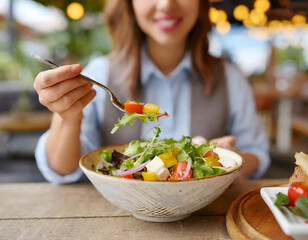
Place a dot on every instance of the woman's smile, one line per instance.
(167, 23)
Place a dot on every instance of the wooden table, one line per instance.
(25, 121)
(78, 211)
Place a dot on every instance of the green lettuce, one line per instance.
(302, 204)
(133, 148)
(128, 119)
(282, 200)
(106, 156)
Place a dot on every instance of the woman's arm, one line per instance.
(251, 164)
(66, 95)
(244, 125)
(63, 144)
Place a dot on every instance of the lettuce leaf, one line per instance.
(133, 148)
(302, 204)
(282, 199)
(145, 157)
(200, 171)
(128, 119)
(106, 156)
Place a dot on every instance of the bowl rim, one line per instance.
(84, 168)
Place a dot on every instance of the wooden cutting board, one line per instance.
(249, 217)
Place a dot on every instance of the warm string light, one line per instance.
(262, 5)
(256, 17)
(220, 18)
(75, 10)
(241, 12)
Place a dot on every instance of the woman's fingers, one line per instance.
(198, 140)
(62, 91)
(77, 107)
(58, 90)
(224, 142)
(51, 77)
(70, 98)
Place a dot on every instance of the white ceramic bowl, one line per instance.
(160, 201)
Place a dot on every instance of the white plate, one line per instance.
(292, 225)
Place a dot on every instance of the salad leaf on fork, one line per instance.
(128, 119)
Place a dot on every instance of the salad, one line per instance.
(165, 159)
(134, 110)
(296, 200)
(159, 159)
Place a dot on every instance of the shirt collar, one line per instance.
(148, 67)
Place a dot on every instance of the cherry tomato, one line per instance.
(130, 176)
(132, 106)
(179, 171)
(297, 190)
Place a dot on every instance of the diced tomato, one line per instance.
(179, 171)
(132, 106)
(130, 176)
(297, 190)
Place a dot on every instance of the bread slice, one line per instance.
(301, 170)
(298, 176)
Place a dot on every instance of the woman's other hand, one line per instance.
(224, 142)
(63, 92)
(227, 142)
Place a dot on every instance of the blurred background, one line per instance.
(267, 39)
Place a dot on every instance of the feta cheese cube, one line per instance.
(163, 173)
(155, 164)
(158, 166)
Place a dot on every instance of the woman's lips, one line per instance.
(167, 24)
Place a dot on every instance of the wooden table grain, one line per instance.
(78, 211)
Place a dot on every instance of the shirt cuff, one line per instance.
(47, 172)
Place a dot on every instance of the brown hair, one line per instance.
(127, 39)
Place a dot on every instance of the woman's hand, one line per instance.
(62, 92)
(251, 161)
(227, 142)
(224, 142)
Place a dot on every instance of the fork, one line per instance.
(115, 101)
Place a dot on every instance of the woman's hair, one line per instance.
(127, 39)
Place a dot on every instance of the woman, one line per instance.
(160, 55)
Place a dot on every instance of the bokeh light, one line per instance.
(257, 17)
(75, 10)
(223, 27)
(262, 5)
(241, 12)
(248, 23)
(217, 16)
(213, 14)
(299, 20)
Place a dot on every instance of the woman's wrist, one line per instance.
(75, 121)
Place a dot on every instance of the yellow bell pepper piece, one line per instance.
(175, 152)
(149, 176)
(168, 159)
(212, 161)
(151, 108)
